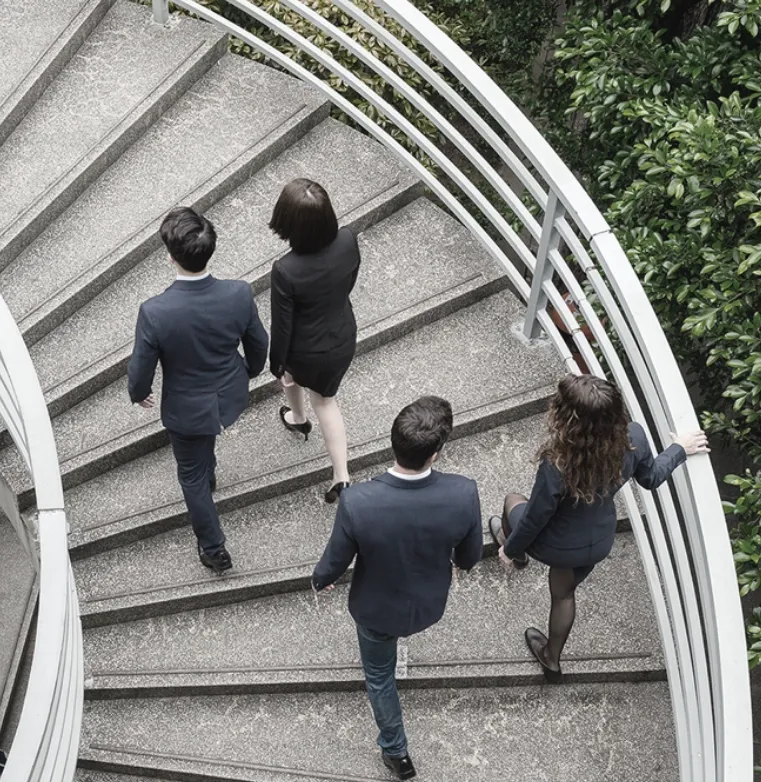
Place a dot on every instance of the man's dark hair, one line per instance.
(304, 217)
(420, 430)
(189, 237)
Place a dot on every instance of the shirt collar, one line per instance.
(193, 278)
(418, 476)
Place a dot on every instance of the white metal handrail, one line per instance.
(46, 741)
(683, 539)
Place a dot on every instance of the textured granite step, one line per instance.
(399, 288)
(79, 356)
(275, 543)
(290, 642)
(595, 733)
(37, 39)
(503, 380)
(234, 120)
(121, 79)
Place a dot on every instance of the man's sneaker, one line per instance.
(402, 767)
(220, 562)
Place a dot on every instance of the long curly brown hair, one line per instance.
(588, 436)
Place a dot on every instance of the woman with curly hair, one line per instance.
(569, 522)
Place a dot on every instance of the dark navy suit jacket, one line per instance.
(194, 329)
(560, 531)
(405, 535)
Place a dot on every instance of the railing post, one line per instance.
(548, 241)
(161, 11)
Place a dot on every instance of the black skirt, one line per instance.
(585, 558)
(321, 372)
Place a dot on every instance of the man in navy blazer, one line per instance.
(406, 528)
(194, 329)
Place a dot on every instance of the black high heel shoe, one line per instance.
(304, 428)
(334, 492)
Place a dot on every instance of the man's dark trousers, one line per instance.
(195, 459)
(378, 653)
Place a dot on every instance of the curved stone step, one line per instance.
(595, 733)
(36, 42)
(275, 543)
(79, 357)
(504, 380)
(121, 79)
(398, 289)
(291, 642)
(233, 121)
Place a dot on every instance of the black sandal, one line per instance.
(536, 640)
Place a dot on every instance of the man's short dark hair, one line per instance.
(304, 217)
(420, 430)
(189, 237)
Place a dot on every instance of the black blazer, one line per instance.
(553, 522)
(194, 329)
(311, 311)
(405, 535)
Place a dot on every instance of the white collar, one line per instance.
(193, 277)
(418, 476)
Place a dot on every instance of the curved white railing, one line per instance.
(46, 742)
(680, 529)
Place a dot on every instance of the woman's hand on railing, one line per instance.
(692, 442)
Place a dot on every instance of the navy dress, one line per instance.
(314, 333)
(561, 532)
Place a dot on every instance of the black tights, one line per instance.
(563, 583)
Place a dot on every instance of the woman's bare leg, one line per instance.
(294, 396)
(333, 432)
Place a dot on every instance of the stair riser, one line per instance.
(146, 240)
(305, 475)
(49, 65)
(65, 191)
(358, 684)
(153, 436)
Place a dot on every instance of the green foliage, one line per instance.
(671, 144)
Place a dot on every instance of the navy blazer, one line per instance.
(194, 329)
(553, 522)
(311, 310)
(405, 535)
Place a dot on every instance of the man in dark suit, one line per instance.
(406, 528)
(194, 329)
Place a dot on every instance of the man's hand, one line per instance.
(504, 559)
(147, 402)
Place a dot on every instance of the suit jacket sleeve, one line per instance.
(340, 551)
(145, 357)
(282, 321)
(651, 472)
(254, 341)
(468, 552)
(542, 505)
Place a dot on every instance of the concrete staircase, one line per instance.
(106, 121)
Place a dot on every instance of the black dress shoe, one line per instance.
(304, 428)
(402, 767)
(334, 492)
(536, 641)
(220, 562)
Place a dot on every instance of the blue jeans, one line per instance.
(378, 652)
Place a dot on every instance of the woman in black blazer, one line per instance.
(314, 334)
(569, 522)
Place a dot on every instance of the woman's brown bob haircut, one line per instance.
(304, 217)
